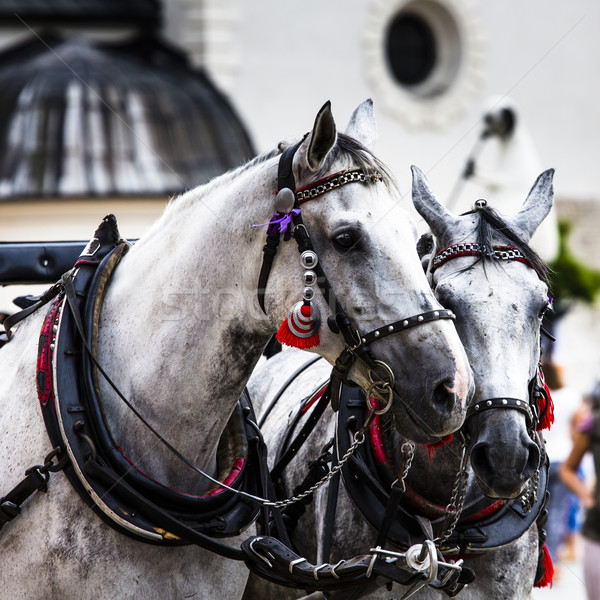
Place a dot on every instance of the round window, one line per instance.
(410, 49)
(423, 58)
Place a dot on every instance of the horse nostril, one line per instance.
(480, 460)
(533, 460)
(443, 395)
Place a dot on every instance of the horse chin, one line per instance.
(411, 428)
(500, 488)
(426, 426)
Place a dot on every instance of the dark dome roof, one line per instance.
(141, 13)
(83, 119)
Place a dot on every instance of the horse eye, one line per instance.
(344, 241)
(543, 310)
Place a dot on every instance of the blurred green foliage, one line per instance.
(570, 278)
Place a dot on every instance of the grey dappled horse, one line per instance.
(499, 300)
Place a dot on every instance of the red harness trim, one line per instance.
(44, 378)
(376, 439)
(485, 512)
(415, 499)
(238, 465)
(234, 473)
(46, 391)
(313, 398)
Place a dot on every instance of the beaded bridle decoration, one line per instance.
(471, 249)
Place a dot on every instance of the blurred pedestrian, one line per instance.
(587, 439)
(559, 440)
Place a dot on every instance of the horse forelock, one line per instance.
(492, 226)
(359, 156)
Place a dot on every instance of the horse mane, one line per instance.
(360, 156)
(492, 225)
(345, 146)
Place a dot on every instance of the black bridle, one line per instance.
(531, 406)
(357, 344)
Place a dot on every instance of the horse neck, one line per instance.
(180, 328)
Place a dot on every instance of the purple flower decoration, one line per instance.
(280, 223)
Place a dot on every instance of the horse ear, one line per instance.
(536, 206)
(322, 138)
(362, 126)
(427, 205)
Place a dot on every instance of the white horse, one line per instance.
(499, 296)
(180, 331)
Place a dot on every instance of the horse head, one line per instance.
(380, 320)
(497, 287)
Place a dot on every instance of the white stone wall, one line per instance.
(208, 30)
(280, 61)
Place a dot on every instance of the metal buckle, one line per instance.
(264, 559)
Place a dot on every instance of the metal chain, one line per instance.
(457, 500)
(530, 495)
(408, 450)
(336, 182)
(359, 438)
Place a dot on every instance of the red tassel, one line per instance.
(547, 410)
(548, 575)
(301, 322)
(442, 442)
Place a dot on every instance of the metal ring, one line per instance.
(387, 368)
(372, 562)
(388, 404)
(359, 437)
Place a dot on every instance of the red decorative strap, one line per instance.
(234, 473)
(313, 398)
(545, 403)
(375, 436)
(44, 383)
